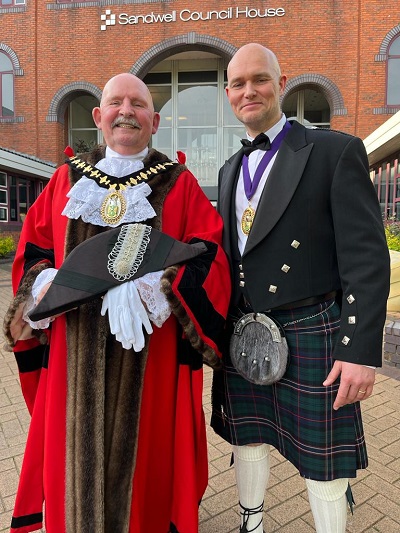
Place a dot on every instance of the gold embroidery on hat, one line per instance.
(127, 254)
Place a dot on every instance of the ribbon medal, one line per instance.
(247, 219)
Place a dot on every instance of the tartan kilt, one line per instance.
(295, 415)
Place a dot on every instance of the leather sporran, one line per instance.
(259, 349)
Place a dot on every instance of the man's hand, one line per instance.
(356, 382)
(19, 329)
(43, 291)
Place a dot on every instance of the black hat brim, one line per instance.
(85, 274)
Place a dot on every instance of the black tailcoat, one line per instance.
(318, 228)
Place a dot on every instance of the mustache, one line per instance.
(129, 121)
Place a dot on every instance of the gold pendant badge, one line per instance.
(247, 219)
(113, 207)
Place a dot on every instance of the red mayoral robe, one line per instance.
(102, 456)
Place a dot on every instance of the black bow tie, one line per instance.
(261, 142)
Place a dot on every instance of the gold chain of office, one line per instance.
(114, 205)
(112, 182)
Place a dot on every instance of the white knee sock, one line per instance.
(252, 473)
(328, 504)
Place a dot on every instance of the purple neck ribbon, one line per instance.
(250, 186)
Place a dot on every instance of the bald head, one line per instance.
(126, 114)
(254, 51)
(255, 84)
(129, 80)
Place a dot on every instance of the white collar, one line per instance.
(273, 132)
(141, 155)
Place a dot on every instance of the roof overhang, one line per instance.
(22, 164)
(384, 141)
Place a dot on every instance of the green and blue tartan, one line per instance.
(295, 415)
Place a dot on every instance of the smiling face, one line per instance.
(126, 114)
(255, 85)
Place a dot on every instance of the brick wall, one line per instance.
(391, 345)
(56, 46)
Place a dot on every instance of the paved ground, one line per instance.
(376, 490)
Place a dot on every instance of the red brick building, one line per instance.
(342, 60)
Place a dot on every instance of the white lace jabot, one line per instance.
(85, 200)
(86, 197)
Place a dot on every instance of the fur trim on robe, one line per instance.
(21, 296)
(105, 385)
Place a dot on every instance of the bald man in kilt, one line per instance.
(304, 235)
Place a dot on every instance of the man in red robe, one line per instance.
(117, 438)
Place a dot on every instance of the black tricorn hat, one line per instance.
(109, 259)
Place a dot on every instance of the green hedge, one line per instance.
(7, 245)
(392, 232)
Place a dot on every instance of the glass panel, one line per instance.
(229, 118)
(157, 78)
(83, 140)
(19, 2)
(3, 197)
(23, 195)
(197, 106)
(200, 147)
(6, 2)
(290, 106)
(394, 49)
(81, 112)
(309, 106)
(198, 77)
(162, 100)
(3, 214)
(7, 87)
(3, 179)
(194, 110)
(162, 141)
(5, 63)
(316, 107)
(393, 83)
(31, 191)
(83, 134)
(231, 141)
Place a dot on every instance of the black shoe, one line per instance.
(246, 513)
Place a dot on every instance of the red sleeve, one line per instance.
(43, 233)
(203, 285)
(41, 241)
(31, 356)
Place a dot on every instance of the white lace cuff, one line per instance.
(149, 287)
(46, 276)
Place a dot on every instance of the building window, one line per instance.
(83, 134)
(7, 3)
(196, 118)
(309, 107)
(393, 74)
(22, 196)
(3, 197)
(6, 86)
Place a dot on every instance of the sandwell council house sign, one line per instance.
(108, 18)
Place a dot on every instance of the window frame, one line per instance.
(397, 58)
(13, 3)
(7, 73)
